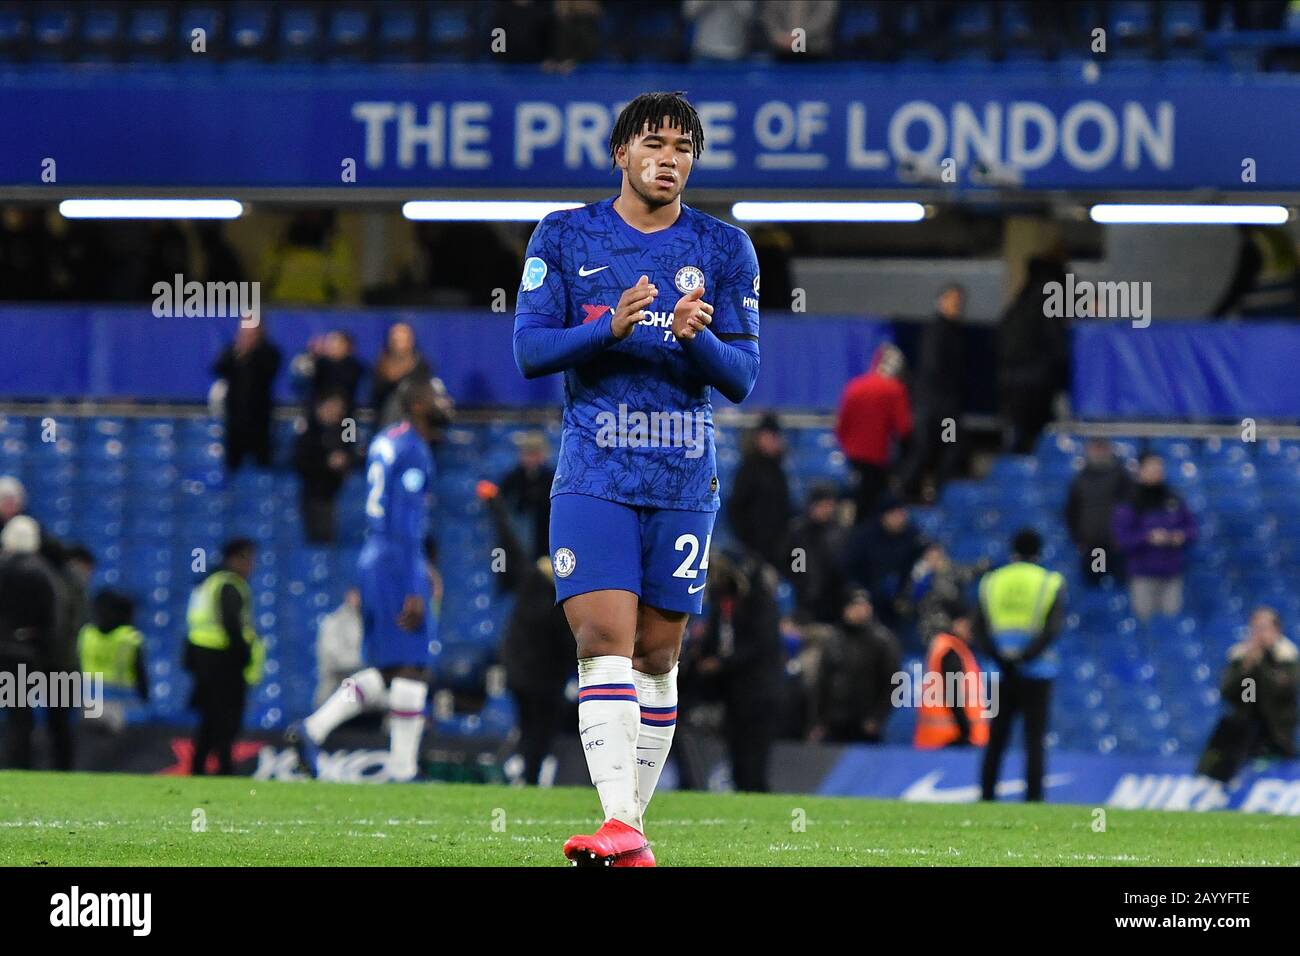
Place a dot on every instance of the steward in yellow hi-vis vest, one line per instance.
(224, 654)
(1020, 611)
(111, 647)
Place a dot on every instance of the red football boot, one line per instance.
(614, 844)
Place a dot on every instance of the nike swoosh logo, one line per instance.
(584, 271)
(593, 727)
(695, 590)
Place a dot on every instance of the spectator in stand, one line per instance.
(328, 366)
(576, 37)
(528, 25)
(874, 415)
(401, 359)
(338, 646)
(759, 506)
(1099, 486)
(735, 656)
(937, 445)
(312, 265)
(538, 648)
(30, 604)
(110, 645)
(1154, 528)
(811, 559)
(526, 494)
(880, 556)
(722, 29)
(855, 677)
(323, 456)
(1266, 280)
(248, 367)
(815, 17)
(13, 502)
(1259, 690)
(1021, 609)
(956, 719)
(937, 586)
(1033, 356)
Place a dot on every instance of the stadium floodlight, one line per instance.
(828, 211)
(1188, 214)
(481, 210)
(151, 209)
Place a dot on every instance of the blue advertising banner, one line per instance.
(1186, 370)
(103, 352)
(840, 127)
(1128, 783)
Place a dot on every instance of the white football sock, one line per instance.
(608, 717)
(362, 691)
(657, 696)
(405, 725)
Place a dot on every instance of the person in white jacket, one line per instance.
(338, 646)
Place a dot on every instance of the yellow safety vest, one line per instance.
(203, 618)
(113, 655)
(1016, 600)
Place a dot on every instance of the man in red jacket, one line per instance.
(875, 414)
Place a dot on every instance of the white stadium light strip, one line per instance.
(828, 211)
(151, 209)
(1185, 214)
(456, 210)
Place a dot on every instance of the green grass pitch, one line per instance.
(122, 820)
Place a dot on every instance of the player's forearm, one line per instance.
(541, 350)
(730, 367)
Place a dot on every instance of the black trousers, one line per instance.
(219, 695)
(58, 728)
(1018, 695)
(318, 518)
(242, 440)
(750, 729)
(931, 452)
(539, 717)
(872, 482)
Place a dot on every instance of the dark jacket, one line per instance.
(758, 507)
(335, 376)
(311, 454)
(819, 585)
(538, 650)
(1090, 507)
(249, 380)
(742, 629)
(1032, 347)
(30, 604)
(528, 495)
(1262, 726)
(882, 563)
(938, 389)
(855, 681)
(1150, 508)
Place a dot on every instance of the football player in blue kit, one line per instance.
(647, 306)
(395, 590)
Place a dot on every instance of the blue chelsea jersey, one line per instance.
(638, 420)
(399, 475)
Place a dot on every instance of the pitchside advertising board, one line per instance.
(771, 128)
(1129, 783)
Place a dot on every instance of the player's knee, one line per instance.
(655, 661)
(600, 639)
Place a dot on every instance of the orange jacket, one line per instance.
(935, 726)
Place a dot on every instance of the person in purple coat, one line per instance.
(1154, 529)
